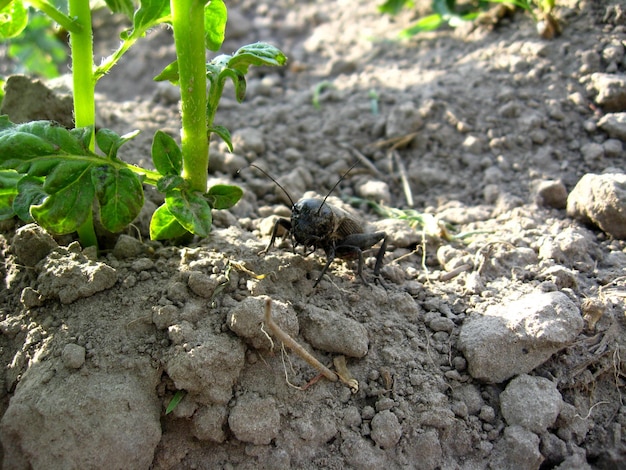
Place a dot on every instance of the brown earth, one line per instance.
(501, 125)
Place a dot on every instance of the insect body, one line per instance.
(317, 224)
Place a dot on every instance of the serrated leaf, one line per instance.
(120, 196)
(224, 134)
(169, 73)
(224, 196)
(121, 6)
(191, 210)
(215, 16)
(109, 141)
(14, 19)
(166, 154)
(151, 13)
(259, 54)
(164, 226)
(31, 193)
(20, 144)
(66, 210)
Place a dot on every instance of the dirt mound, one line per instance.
(496, 339)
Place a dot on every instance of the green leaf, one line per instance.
(120, 196)
(37, 49)
(169, 73)
(19, 143)
(224, 134)
(8, 192)
(224, 196)
(427, 23)
(64, 174)
(164, 226)
(14, 18)
(170, 182)
(259, 54)
(151, 13)
(31, 193)
(176, 399)
(67, 209)
(393, 7)
(166, 154)
(191, 210)
(109, 141)
(215, 16)
(238, 79)
(121, 6)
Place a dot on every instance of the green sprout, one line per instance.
(55, 176)
(448, 12)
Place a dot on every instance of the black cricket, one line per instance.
(317, 224)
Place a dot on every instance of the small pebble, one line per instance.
(73, 356)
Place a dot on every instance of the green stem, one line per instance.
(188, 25)
(82, 67)
(69, 24)
(84, 87)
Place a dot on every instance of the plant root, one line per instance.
(294, 346)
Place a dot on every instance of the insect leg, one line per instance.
(381, 254)
(330, 256)
(284, 223)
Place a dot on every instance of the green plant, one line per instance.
(39, 49)
(55, 176)
(449, 12)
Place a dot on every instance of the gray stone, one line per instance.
(601, 201)
(592, 151)
(127, 247)
(31, 244)
(572, 247)
(333, 332)
(377, 191)
(611, 91)
(210, 368)
(73, 356)
(613, 148)
(386, 429)
(515, 337)
(614, 124)
(531, 402)
(208, 423)
(551, 193)
(248, 139)
(202, 284)
(518, 449)
(255, 420)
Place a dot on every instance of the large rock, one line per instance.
(600, 200)
(614, 124)
(65, 421)
(531, 402)
(515, 337)
(610, 89)
(208, 370)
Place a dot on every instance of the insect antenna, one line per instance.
(277, 183)
(337, 184)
